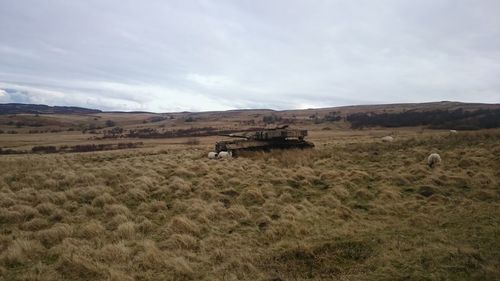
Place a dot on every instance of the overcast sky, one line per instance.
(164, 56)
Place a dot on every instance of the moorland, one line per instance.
(132, 196)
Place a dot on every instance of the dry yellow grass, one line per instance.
(351, 209)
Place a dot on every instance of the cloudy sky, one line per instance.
(161, 56)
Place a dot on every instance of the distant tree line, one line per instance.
(73, 148)
(458, 119)
(27, 123)
(151, 133)
(271, 119)
(4, 151)
(158, 119)
(329, 117)
(85, 147)
(8, 132)
(49, 131)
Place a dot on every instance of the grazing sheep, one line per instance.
(453, 132)
(433, 160)
(212, 155)
(224, 154)
(387, 139)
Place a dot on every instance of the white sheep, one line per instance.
(433, 160)
(453, 132)
(224, 154)
(387, 139)
(212, 155)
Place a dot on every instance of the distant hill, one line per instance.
(434, 115)
(399, 107)
(20, 108)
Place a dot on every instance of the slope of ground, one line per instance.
(445, 115)
(347, 210)
(21, 108)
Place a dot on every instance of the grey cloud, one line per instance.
(206, 55)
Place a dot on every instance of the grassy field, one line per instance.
(353, 208)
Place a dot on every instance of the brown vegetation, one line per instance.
(74, 148)
(347, 210)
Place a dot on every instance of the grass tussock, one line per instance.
(355, 210)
